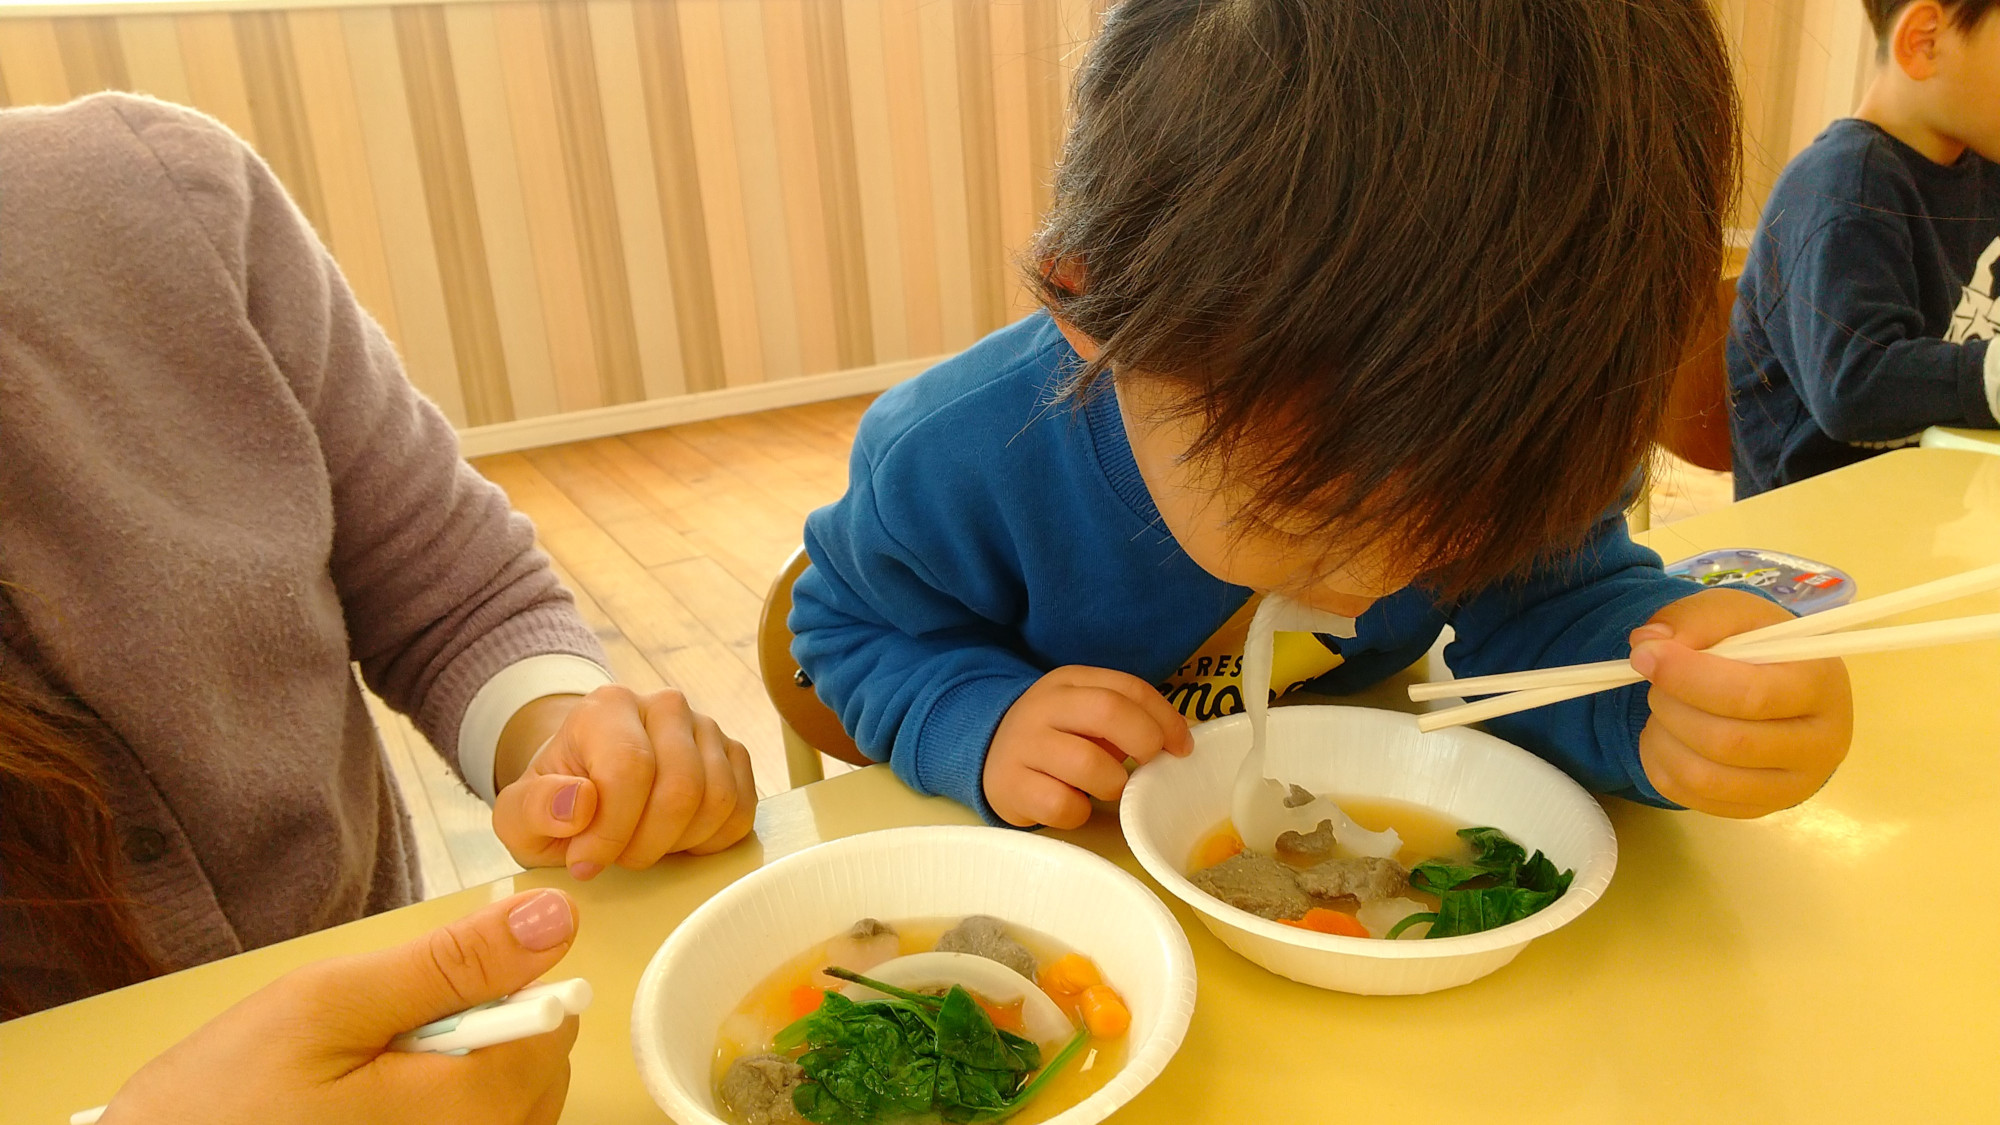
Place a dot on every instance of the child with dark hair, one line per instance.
(1386, 338)
(1867, 302)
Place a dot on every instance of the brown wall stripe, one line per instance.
(801, 182)
(1045, 76)
(679, 186)
(546, 220)
(454, 215)
(271, 80)
(833, 135)
(91, 56)
(982, 166)
(593, 203)
(903, 70)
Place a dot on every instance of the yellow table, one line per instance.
(1946, 437)
(1833, 963)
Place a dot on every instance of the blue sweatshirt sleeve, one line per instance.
(1850, 332)
(896, 643)
(1576, 611)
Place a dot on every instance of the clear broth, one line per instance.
(767, 1010)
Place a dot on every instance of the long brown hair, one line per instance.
(59, 852)
(1429, 264)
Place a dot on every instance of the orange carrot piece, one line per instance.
(1217, 848)
(1323, 921)
(1104, 1012)
(1006, 1017)
(805, 998)
(1070, 973)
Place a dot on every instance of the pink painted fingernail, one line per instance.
(542, 922)
(565, 803)
(583, 871)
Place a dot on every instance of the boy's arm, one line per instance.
(893, 644)
(1852, 337)
(1576, 611)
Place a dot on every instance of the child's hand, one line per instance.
(1068, 736)
(1729, 738)
(626, 779)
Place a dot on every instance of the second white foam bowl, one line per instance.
(733, 941)
(1469, 776)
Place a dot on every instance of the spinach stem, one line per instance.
(886, 989)
(1408, 921)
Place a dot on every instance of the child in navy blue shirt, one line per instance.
(1388, 339)
(1866, 304)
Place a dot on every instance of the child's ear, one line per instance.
(1913, 41)
(1065, 274)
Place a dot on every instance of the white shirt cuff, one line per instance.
(510, 689)
(1993, 377)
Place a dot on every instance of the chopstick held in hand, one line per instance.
(1541, 687)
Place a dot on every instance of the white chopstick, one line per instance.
(1613, 673)
(1553, 685)
(1927, 634)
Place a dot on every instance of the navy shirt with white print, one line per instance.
(1866, 307)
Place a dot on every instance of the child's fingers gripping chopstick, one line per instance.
(1616, 673)
(1926, 634)
(1731, 739)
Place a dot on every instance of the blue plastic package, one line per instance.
(1800, 585)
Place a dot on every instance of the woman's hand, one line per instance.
(625, 779)
(1729, 738)
(311, 1047)
(1066, 740)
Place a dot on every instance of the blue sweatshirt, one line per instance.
(1865, 307)
(991, 533)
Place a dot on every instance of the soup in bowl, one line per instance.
(1436, 790)
(998, 975)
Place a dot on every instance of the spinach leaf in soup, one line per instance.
(878, 1061)
(1501, 884)
(1494, 850)
(1473, 911)
(965, 1034)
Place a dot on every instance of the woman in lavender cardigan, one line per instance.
(218, 493)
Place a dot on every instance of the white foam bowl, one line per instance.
(1172, 803)
(709, 964)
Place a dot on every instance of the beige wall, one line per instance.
(556, 205)
(1800, 65)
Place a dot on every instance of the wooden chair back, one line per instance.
(1696, 428)
(805, 718)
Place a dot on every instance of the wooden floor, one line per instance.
(669, 539)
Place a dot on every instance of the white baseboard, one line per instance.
(605, 421)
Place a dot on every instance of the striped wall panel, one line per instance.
(557, 205)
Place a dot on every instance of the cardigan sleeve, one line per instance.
(440, 581)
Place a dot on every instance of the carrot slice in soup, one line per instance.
(1104, 1012)
(805, 998)
(1323, 921)
(1071, 973)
